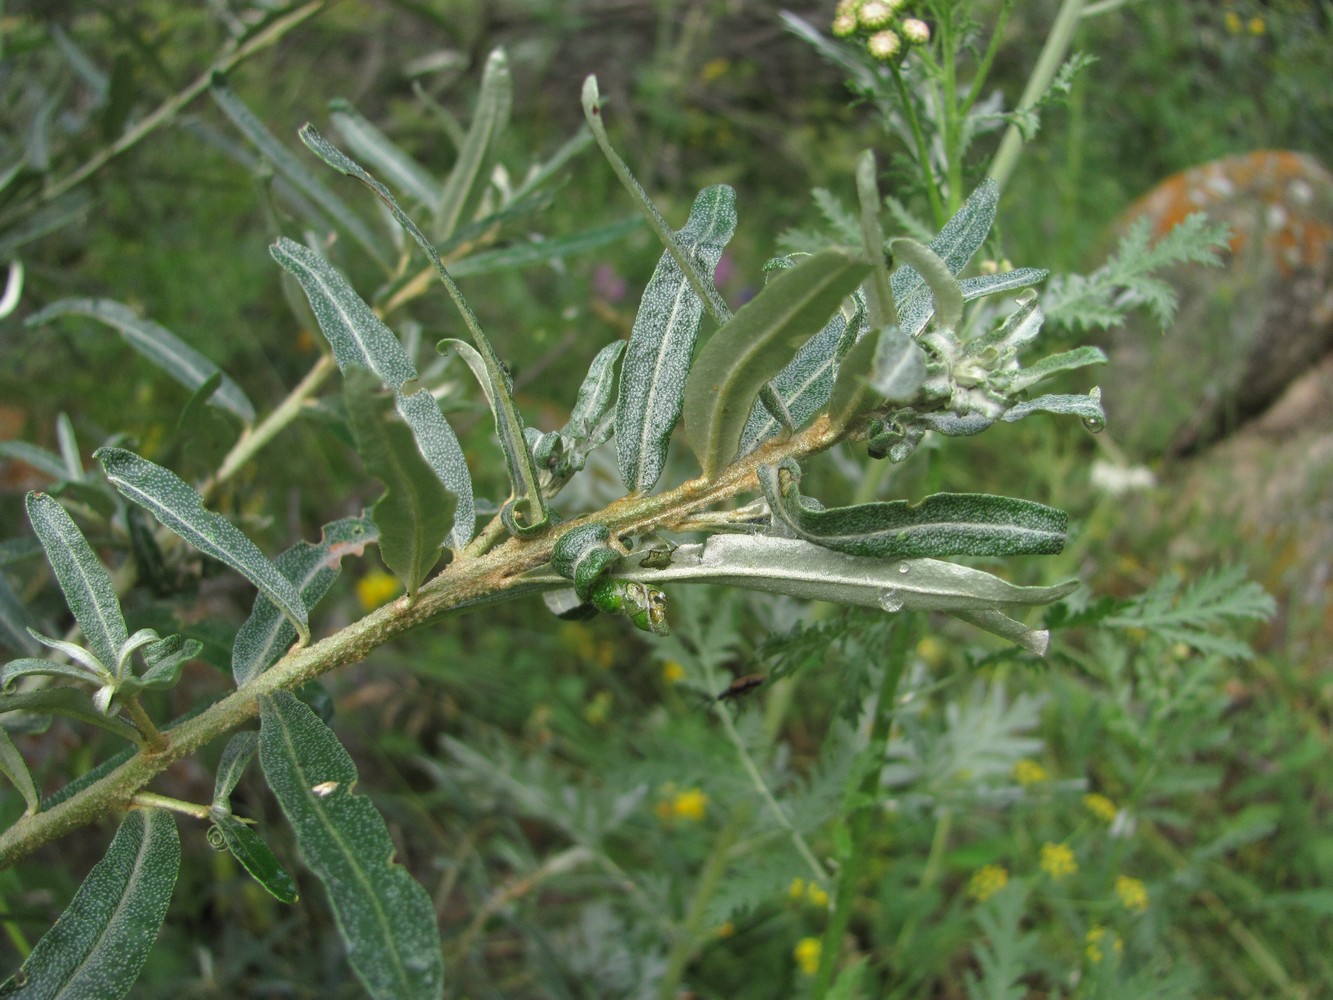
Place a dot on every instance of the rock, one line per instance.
(1244, 331)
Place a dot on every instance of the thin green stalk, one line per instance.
(863, 814)
(172, 106)
(953, 157)
(761, 787)
(922, 150)
(692, 929)
(879, 294)
(154, 742)
(983, 68)
(1048, 64)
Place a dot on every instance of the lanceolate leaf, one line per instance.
(900, 366)
(295, 171)
(1088, 407)
(526, 512)
(356, 334)
(173, 502)
(373, 146)
(653, 375)
(521, 255)
(71, 704)
(254, 855)
(82, 577)
(236, 757)
(13, 767)
(156, 343)
(312, 568)
(755, 345)
(439, 446)
(806, 383)
(100, 943)
(386, 920)
(944, 290)
(940, 525)
(594, 396)
(1007, 281)
(416, 512)
(1052, 364)
(488, 122)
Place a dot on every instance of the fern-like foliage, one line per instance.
(1105, 297)
(1199, 614)
(1005, 954)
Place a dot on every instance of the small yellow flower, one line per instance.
(817, 895)
(1132, 892)
(672, 672)
(1057, 861)
(1232, 22)
(691, 804)
(986, 882)
(1096, 940)
(725, 929)
(884, 45)
(598, 710)
(1256, 26)
(797, 889)
(807, 953)
(1029, 772)
(932, 651)
(1100, 806)
(375, 588)
(713, 69)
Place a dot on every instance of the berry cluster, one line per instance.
(887, 33)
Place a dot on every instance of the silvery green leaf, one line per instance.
(312, 568)
(594, 398)
(386, 920)
(13, 767)
(236, 757)
(15, 621)
(391, 160)
(525, 513)
(756, 344)
(77, 653)
(992, 284)
(940, 525)
(69, 444)
(295, 171)
(851, 394)
(1035, 641)
(960, 238)
(100, 943)
(583, 555)
(439, 446)
(1052, 364)
(953, 424)
(520, 255)
(805, 385)
(82, 577)
(69, 703)
(46, 462)
(416, 512)
(657, 363)
(477, 365)
(356, 334)
(28, 666)
(488, 123)
(880, 306)
(1018, 330)
(944, 288)
(165, 659)
(173, 502)
(248, 848)
(899, 368)
(156, 343)
(142, 637)
(1088, 407)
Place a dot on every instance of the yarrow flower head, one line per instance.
(1057, 861)
(1100, 806)
(807, 953)
(1029, 772)
(811, 892)
(1132, 892)
(1096, 940)
(884, 45)
(986, 882)
(687, 804)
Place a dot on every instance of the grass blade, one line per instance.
(488, 123)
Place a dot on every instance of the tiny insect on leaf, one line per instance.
(741, 686)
